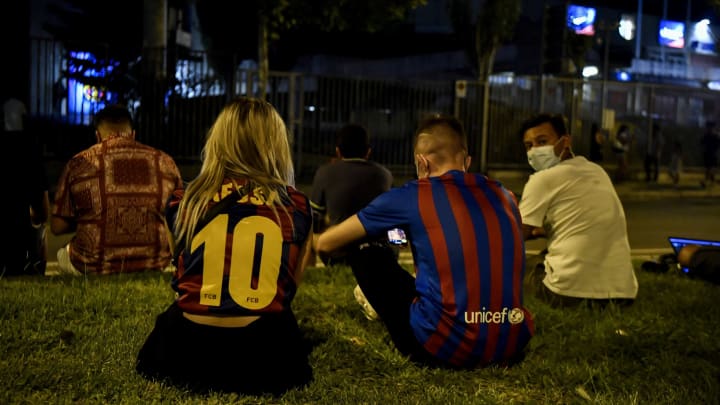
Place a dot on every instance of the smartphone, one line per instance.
(396, 236)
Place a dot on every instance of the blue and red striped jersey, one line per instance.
(465, 233)
(244, 261)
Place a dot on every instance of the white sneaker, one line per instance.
(369, 311)
(64, 266)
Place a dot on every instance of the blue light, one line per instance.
(623, 76)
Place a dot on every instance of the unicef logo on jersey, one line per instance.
(514, 316)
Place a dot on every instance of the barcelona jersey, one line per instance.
(243, 261)
(466, 238)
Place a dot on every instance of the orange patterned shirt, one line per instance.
(116, 191)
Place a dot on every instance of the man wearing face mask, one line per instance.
(464, 307)
(572, 202)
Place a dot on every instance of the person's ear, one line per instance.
(98, 138)
(468, 160)
(422, 166)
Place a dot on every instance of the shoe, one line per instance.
(64, 266)
(369, 311)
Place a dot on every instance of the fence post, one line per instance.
(541, 107)
(484, 134)
(295, 123)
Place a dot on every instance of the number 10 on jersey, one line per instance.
(254, 266)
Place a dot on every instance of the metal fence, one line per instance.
(175, 107)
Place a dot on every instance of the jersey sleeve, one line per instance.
(386, 211)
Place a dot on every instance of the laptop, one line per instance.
(678, 243)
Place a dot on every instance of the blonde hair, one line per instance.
(248, 140)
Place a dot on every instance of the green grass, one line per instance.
(74, 340)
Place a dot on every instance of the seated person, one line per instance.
(113, 196)
(573, 203)
(702, 262)
(27, 211)
(464, 308)
(242, 231)
(347, 184)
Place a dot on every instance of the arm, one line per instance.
(305, 255)
(340, 235)
(533, 232)
(60, 225)
(40, 210)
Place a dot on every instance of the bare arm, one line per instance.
(60, 225)
(40, 211)
(532, 232)
(340, 235)
(305, 255)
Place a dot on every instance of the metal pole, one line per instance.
(638, 30)
(606, 58)
(485, 115)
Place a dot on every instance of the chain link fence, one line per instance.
(176, 97)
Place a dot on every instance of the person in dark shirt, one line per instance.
(348, 183)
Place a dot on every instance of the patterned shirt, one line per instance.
(466, 238)
(243, 262)
(116, 191)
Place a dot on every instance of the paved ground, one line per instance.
(635, 188)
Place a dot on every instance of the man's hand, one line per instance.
(533, 232)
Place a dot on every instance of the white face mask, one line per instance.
(542, 157)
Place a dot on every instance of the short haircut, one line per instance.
(450, 121)
(353, 141)
(557, 121)
(114, 114)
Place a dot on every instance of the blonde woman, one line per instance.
(241, 232)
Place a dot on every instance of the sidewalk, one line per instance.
(635, 188)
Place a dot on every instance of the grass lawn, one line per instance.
(74, 340)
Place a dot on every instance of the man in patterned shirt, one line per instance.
(113, 196)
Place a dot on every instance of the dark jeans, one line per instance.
(390, 289)
(267, 356)
(533, 284)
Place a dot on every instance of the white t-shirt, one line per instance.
(14, 111)
(588, 249)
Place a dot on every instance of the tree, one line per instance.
(577, 47)
(273, 18)
(495, 23)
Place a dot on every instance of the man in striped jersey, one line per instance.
(464, 307)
